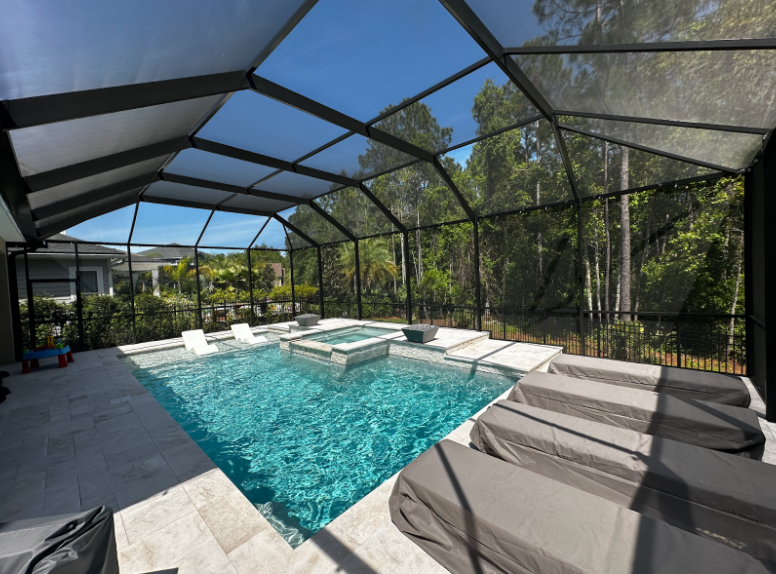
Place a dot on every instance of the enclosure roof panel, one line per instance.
(388, 115)
(57, 47)
(214, 167)
(519, 23)
(262, 125)
(51, 146)
(226, 229)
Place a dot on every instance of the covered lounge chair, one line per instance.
(242, 332)
(710, 425)
(713, 494)
(686, 383)
(474, 513)
(195, 341)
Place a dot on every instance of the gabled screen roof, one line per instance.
(359, 118)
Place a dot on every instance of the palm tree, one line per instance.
(376, 263)
(177, 273)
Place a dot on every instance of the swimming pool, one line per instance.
(350, 335)
(304, 441)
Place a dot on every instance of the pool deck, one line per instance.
(90, 435)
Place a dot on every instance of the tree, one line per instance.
(267, 278)
(377, 267)
(177, 273)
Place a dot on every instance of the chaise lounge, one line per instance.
(195, 341)
(686, 383)
(724, 498)
(242, 332)
(476, 514)
(711, 425)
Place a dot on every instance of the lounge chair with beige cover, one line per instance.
(723, 497)
(686, 383)
(475, 514)
(711, 425)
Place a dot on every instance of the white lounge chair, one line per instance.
(242, 332)
(195, 341)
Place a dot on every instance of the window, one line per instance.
(88, 282)
(90, 279)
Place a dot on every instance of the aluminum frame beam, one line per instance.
(287, 225)
(698, 46)
(14, 190)
(208, 184)
(40, 110)
(200, 205)
(480, 33)
(670, 123)
(648, 149)
(341, 228)
(260, 159)
(295, 100)
(54, 177)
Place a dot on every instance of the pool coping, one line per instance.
(196, 517)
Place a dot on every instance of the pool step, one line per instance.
(506, 357)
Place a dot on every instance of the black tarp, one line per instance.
(81, 543)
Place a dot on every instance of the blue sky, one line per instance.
(163, 224)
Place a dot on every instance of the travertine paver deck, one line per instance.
(506, 357)
(88, 435)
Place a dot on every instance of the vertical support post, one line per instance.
(78, 301)
(581, 280)
(293, 290)
(199, 288)
(320, 281)
(760, 276)
(30, 301)
(358, 280)
(132, 293)
(250, 286)
(407, 280)
(477, 295)
(16, 315)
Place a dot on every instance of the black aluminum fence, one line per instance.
(152, 320)
(696, 341)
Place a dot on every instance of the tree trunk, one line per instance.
(538, 202)
(625, 241)
(597, 275)
(732, 327)
(608, 241)
(393, 252)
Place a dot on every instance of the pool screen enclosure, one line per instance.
(584, 136)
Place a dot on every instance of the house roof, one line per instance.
(171, 251)
(84, 248)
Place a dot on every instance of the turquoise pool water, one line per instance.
(303, 440)
(350, 335)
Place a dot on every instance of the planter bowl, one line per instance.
(420, 333)
(307, 320)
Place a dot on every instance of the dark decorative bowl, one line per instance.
(420, 333)
(307, 320)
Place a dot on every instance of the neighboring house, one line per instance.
(280, 274)
(56, 261)
(171, 254)
(141, 265)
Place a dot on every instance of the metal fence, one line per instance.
(149, 322)
(696, 341)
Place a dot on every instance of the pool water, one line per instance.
(304, 440)
(350, 335)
